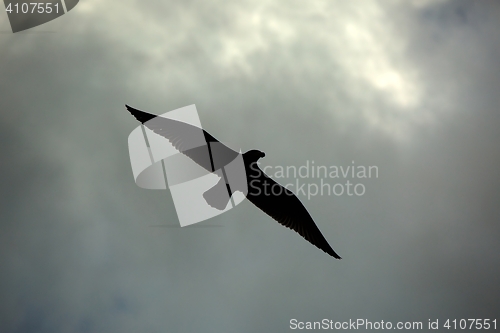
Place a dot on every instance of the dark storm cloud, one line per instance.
(410, 88)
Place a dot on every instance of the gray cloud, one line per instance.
(411, 88)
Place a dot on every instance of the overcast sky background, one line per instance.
(411, 87)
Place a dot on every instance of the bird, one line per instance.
(275, 200)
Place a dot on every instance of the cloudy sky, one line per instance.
(411, 87)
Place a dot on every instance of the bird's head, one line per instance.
(253, 155)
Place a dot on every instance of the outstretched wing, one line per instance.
(283, 206)
(187, 139)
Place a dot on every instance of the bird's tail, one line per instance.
(217, 196)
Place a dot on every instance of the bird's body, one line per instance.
(272, 198)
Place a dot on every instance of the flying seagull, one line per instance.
(272, 198)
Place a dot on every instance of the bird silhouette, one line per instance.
(273, 199)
